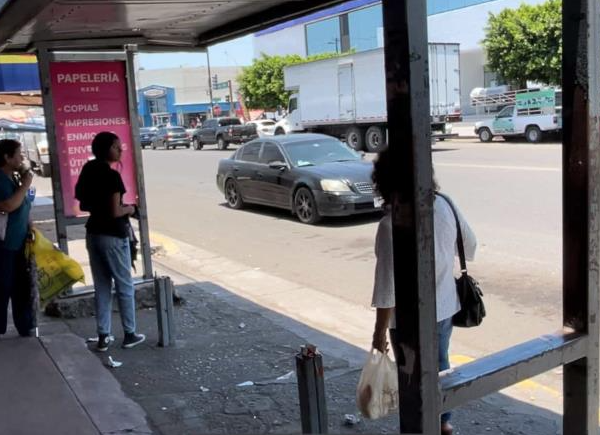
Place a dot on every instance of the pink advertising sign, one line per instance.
(90, 97)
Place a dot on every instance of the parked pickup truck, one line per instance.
(512, 121)
(223, 131)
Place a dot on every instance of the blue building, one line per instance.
(19, 73)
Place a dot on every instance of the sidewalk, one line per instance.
(227, 335)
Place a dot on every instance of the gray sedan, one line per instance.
(312, 175)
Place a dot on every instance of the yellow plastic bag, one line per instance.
(56, 271)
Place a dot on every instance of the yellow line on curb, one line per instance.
(168, 244)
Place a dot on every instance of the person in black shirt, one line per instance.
(100, 191)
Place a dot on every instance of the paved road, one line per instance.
(509, 192)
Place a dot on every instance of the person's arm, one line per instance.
(383, 288)
(16, 199)
(381, 326)
(119, 210)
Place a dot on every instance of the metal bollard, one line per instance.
(311, 390)
(163, 290)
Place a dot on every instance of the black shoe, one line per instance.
(103, 342)
(132, 339)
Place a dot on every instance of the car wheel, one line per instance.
(280, 131)
(153, 146)
(306, 206)
(166, 145)
(355, 138)
(533, 134)
(196, 144)
(485, 135)
(222, 143)
(375, 139)
(233, 195)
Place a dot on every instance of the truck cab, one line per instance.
(513, 121)
(292, 122)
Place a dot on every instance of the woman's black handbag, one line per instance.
(472, 309)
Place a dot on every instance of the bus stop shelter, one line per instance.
(47, 26)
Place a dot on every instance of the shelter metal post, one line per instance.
(406, 60)
(581, 201)
(139, 169)
(44, 58)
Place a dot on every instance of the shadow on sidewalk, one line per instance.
(225, 340)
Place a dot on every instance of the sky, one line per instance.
(237, 52)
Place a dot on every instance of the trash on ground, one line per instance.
(113, 363)
(242, 325)
(285, 377)
(246, 384)
(351, 419)
(204, 389)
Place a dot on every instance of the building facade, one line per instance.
(181, 96)
(357, 25)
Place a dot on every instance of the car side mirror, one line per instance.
(277, 165)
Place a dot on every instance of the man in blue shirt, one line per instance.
(15, 204)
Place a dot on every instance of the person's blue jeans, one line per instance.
(444, 331)
(14, 287)
(110, 260)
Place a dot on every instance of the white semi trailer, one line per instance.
(345, 96)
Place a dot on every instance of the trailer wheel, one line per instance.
(375, 139)
(355, 138)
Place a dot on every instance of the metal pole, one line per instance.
(311, 390)
(210, 89)
(581, 208)
(406, 56)
(231, 103)
(44, 57)
(139, 165)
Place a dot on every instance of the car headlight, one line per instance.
(43, 150)
(334, 186)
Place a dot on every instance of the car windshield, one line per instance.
(146, 130)
(229, 121)
(267, 123)
(176, 129)
(319, 151)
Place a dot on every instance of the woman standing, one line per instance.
(445, 248)
(100, 191)
(14, 203)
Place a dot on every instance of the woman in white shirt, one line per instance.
(445, 251)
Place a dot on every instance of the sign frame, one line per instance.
(45, 57)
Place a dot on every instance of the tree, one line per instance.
(261, 83)
(525, 44)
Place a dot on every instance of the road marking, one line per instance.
(167, 243)
(501, 167)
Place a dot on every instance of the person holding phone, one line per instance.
(15, 181)
(100, 191)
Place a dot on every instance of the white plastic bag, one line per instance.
(377, 390)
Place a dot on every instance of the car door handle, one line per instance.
(259, 175)
(236, 168)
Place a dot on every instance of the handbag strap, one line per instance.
(459, 237)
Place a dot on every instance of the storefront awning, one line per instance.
(21, 100)
(154, 24)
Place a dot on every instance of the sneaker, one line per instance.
(132, 339)
(103, 342)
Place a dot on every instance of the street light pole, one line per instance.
(212, 111)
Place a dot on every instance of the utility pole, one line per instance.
(210, 89)
(231, 102)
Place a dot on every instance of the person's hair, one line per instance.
(384, 176)
(8, 148)
(102, 143)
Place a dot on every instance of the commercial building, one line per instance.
(181, 96)
(357, 25)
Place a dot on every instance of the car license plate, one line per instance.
(378, 202)
(245, 136)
